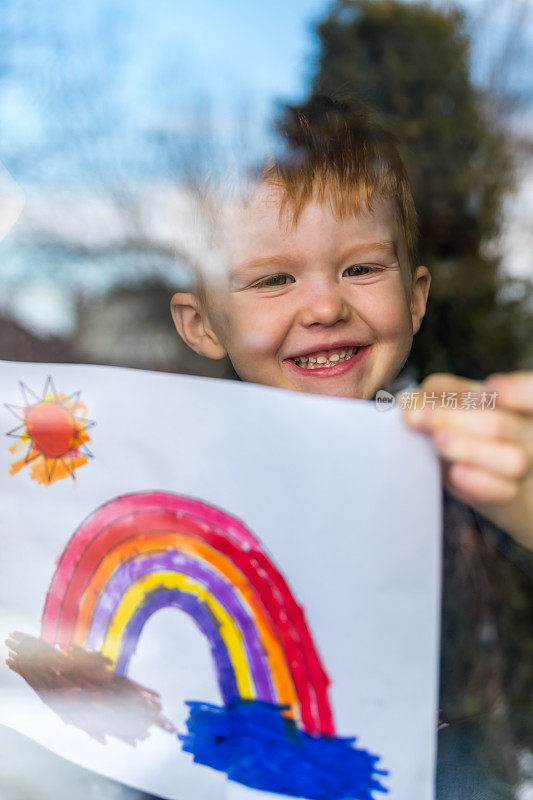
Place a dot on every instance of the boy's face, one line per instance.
(323, 306)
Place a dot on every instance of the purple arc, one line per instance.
(191, 605)
(225, 594)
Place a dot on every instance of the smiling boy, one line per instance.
(321, 293)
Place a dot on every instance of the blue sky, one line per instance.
(109, 69)
(96, 91)
(260, 47)
(94, 85)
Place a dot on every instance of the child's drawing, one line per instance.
(143, 552)
(52, 431)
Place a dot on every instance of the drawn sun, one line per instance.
(53, 429)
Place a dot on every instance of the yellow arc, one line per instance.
(134, 597)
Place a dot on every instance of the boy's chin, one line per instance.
(332, 387)
(354, 393)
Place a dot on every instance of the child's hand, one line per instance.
(485, 443)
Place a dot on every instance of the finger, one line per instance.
(506, 459)
(494, 424)
(445, 467)
(480, 486)
(513, 391)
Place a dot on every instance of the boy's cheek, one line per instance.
(388, 315)
(239, 328)
(254, 342)
(252, 351)
(257, 328)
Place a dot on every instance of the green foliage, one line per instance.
(410, 63)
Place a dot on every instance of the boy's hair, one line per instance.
(337, 153)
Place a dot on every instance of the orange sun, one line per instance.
(53, 429)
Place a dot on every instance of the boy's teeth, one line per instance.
(323, 360)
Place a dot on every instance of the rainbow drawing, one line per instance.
(146, 551)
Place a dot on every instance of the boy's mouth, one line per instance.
(326, 358)
(334, 359)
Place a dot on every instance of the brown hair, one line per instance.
(337, 153)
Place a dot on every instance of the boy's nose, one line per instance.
(324, 306)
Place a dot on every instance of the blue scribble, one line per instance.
(255, 745)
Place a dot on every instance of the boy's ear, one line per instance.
(419, 296)
(193, 326)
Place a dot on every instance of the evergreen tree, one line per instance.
(410, 63)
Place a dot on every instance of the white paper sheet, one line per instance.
(344, 504)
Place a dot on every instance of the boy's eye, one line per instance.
(275, 280)
(357, 270)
